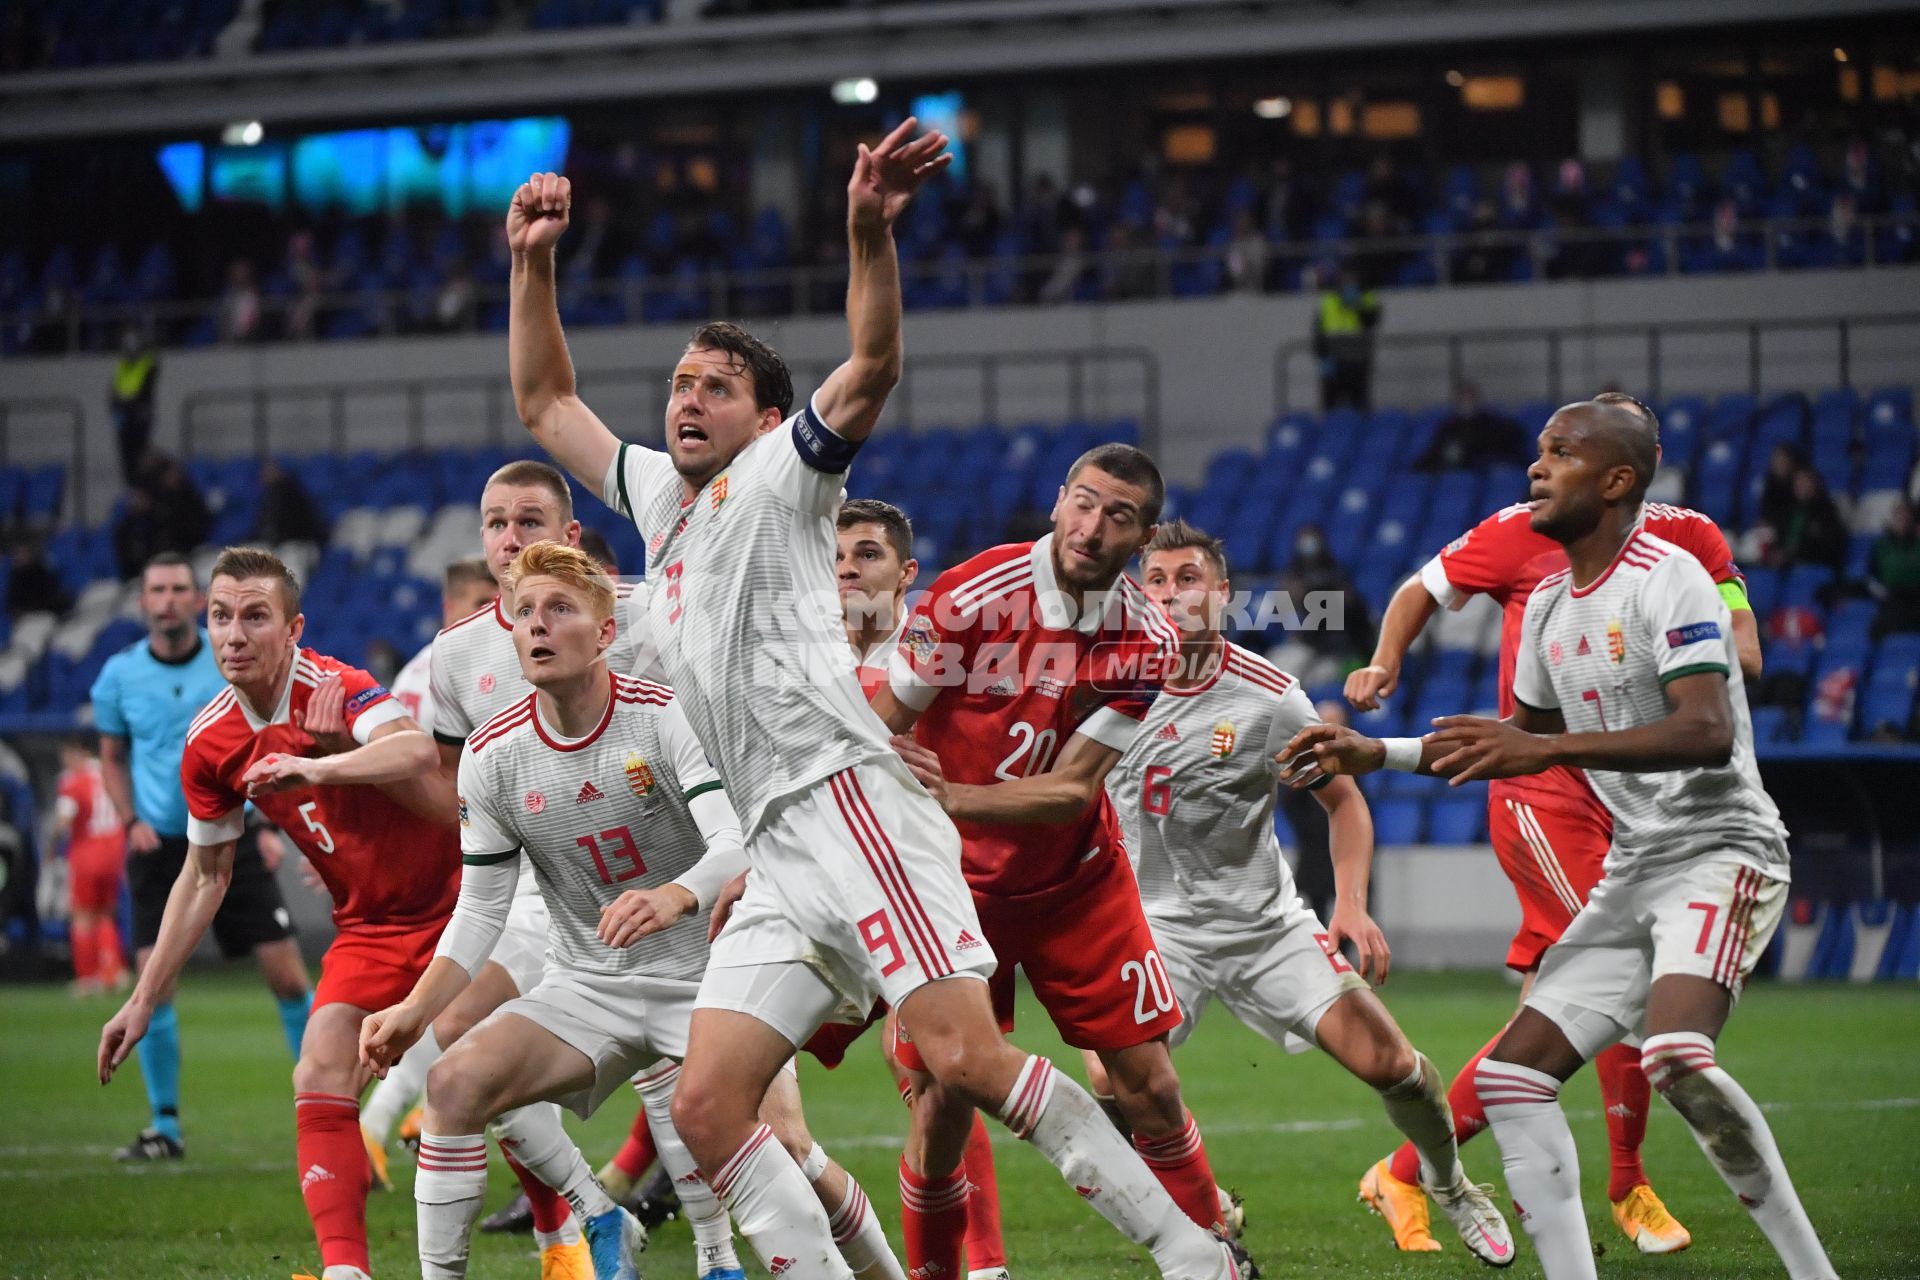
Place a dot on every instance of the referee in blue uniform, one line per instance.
(145, 699)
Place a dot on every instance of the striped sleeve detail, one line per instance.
(488, 859)
(1257, 671)
(703, 788)
(518, 714)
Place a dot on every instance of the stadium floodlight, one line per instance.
(861, 91)
(1456, 79)
(245, 133)
(1273, 108)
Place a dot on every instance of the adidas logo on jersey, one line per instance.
(1004, 687)
(967, 942)
(780, 1266)
(1168, 733)
(1584, 648)
(315, 1173)
(588, 793)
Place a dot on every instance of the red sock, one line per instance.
(86, 950)
(550, 1208)
(1180, 1162)
(334, 1175)
(106, 939)
(985, 1248)
(1626, 1094)
(1468, 1118)
(636, 1154)
(933, 1222)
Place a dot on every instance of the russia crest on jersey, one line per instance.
(921, 638)
(639, 775)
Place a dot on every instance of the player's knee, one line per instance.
(792, 1132)
(700, 1111)
(1390, 1066)
(456, 1096)
(1150, 1098)
(452, 1024)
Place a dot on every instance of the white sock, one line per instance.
(1737, 1142)
(712, 1229)
(856, 1228)
(406, 1080)
(777, 1211)
(1543, 1170)
(1064, 1123)
(448, 1189)
(1418, 1108)
(541, 1145)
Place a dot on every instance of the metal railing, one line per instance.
(325, 415)
(1654, 338)
(1107, 275)
(30, 415)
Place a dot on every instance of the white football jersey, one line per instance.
(1196, 790)
(745, 609)
(1602, 656)
(596, 816)
(413, 686)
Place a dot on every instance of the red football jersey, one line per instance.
(93, 822)
(1004, 671)
(1504, 558)
(383, 863)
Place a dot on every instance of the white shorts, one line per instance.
(858, 880)
(1710, 918)
(1278, 979)
(622, 1022)
(522, 949)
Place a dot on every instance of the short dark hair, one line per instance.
(536, 474)
(1129, 466)
(772, 380)
(1178, 535)
(891, 519)
(1634, 404)
(462, 573)
(168, 560)
(243, 563)
(596, 546)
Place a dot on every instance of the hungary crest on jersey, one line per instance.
(1221, 744)
(639, 775)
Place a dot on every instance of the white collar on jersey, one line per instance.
(283, 713)
(1057, 610)
(882, 649)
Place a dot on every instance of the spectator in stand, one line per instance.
(136, 375)
(982, 219)
(1776, 492)
(1482, 261)
(455, 301)
(1860, 180)
(1574, 256)
(1893, 573)
(309, 281)
(1343, 326)
(1248, 254)
(1320, 588)
(1069, 268)
(1474, 437)
(1127, 269)
(287, 511)
(164, 513)
(240, 304)
(1388, 190)
(1728, 248)
(1289, 207)
(1519, 207)
(1813, 531)
(34, 586)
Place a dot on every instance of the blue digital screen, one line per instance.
(455, 168)
(946, 112)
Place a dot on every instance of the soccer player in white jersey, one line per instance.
(1195, 793)
(1628, 669)
(579, 775)
(856, 892)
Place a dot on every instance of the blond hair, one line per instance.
(568, 565)
(245, 563)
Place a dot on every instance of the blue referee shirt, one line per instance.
(151, 703)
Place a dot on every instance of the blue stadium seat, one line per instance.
(1456, 820)
(1770, 724)
(1397, 822)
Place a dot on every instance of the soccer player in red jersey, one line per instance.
(375, 822)
(875, 566)
(96, 866)
(1022, 677)
(1549, 831)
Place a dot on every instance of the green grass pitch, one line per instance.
(1838, 1068)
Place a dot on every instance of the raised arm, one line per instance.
(885, 178)
(1407, 614)
(543, 386)
(1061, 794)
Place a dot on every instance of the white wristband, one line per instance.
(1403, 754)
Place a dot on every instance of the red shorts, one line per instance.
(1086, 950)
(1553, 857)
(95, 869)
(830, 1043)
(373, 966)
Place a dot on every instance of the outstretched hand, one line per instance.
(539, 214)
(1322, 749)
(885, 176)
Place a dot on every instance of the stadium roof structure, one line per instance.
(678, 58)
